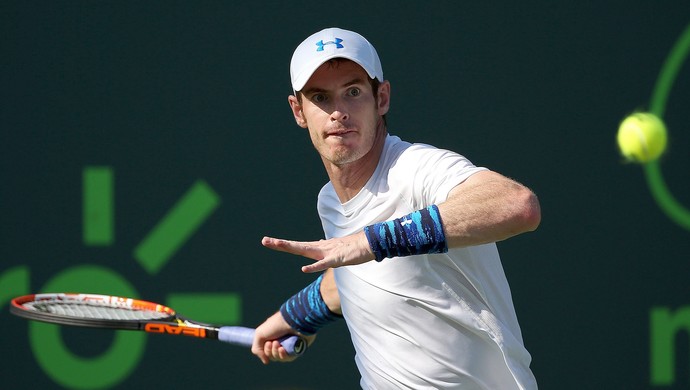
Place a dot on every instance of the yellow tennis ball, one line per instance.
(642, 137)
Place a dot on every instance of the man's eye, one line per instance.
(355, 92)
(318, 98)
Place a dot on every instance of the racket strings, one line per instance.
(95, 311)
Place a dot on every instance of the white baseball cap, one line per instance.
(328, 44)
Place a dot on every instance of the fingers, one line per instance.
(317, 267)
(271, 350)
(306, 249)
(274, 243)
(274, 352)
(258, 350)
(331, 253)
(311, 250)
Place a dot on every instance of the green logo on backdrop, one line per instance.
(664, 324)
(666, 201)
(152, 253)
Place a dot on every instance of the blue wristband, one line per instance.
(306, 311)
(418, 233)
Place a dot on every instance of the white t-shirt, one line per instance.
(442, 321)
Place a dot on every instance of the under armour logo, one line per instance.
(337, 44)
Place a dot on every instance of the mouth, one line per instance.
(339, 132)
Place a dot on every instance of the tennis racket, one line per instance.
(111, 312)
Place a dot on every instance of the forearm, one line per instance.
(487, 208)
(307, 311)
(329, 292)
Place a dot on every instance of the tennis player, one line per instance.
(410, 258)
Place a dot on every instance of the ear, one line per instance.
(384, 97)
(297, 112)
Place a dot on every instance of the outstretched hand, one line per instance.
(332, 253)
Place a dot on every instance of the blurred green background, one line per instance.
(148, 146)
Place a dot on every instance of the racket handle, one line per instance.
(238, 335)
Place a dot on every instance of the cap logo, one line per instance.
(337, 43)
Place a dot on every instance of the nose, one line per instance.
(339, 115)
(340, 112)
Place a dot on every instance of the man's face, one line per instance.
(339, 108)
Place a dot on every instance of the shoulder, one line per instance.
(428, 158)
(425, 174)
(397, 147)
(398, 153)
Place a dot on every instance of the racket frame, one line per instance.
(171, 323)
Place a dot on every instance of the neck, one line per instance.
(349, 179)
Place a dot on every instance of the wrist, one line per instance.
(306, 311)
(417, 233)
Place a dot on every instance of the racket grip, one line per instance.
(238, 335)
